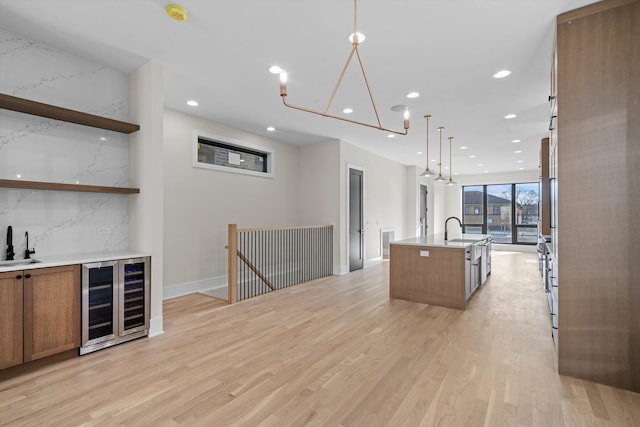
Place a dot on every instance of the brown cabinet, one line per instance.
(595, 155)
(40, 313)
(10, 320)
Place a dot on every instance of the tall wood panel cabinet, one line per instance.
(597, 240)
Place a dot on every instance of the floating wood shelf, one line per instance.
(27, 106)
(40, 185)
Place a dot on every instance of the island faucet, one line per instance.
(445, 225)
(27, 252)
(10, 252)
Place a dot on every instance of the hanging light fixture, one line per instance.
(440, 178)
(356, 38)
(451, 182)
(428, 173)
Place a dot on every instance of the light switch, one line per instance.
(424, 253)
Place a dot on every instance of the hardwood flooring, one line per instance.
(334, 352)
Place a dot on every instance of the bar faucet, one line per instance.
(10, 252)
(445, 225)
(27, 252)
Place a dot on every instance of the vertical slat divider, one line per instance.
(282, 256)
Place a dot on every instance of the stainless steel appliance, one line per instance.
(115, 302)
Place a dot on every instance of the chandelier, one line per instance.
(356, 38)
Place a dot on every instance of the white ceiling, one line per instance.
(445, 49)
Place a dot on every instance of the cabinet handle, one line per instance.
(551, 123)
(551, 97)
(19, 276)
(27, 276)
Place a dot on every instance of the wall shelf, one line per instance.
(52, 186)
(27, 106)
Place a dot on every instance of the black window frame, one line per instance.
(514, 226)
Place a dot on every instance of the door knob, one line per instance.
(361, 231)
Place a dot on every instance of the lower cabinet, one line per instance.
(10, 320)
(40, 313)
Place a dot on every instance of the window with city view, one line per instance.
(508, 212)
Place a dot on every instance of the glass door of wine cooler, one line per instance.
(99, 302)
(134, 295)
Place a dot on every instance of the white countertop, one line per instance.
(437, 240)
(60, 260)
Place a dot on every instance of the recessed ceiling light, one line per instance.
(419, 152)
(511, 116)
(18, 176)
(456, 173)
(473, 156)
(501, 74)
(433, 160)
(518, 151)
(271, 129)
(391, 135)
(480, 164)
(515, 140)
(192, 103)
(412, 95)
(103, 138)
(520, 169)
(361, 37)
(464, 147)
(400, 108)
(520, 161)
(486, 171)
(275, 69)
(446, 167)
(77, 182)
(348, 110)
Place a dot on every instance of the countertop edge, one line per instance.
(72, 259)
(437, 241)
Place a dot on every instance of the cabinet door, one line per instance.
(10, 319)
(51, 311)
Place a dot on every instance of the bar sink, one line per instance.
(18, 262)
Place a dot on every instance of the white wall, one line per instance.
(146, 214)
(318, 190)
(200, 203)
(40, 149)
(385, 200)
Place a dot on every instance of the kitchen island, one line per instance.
(430, 270)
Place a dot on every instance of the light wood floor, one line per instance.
(336, 352)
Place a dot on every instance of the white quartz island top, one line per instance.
(437, 240)
(71, 259)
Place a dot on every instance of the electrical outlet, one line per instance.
(104, 231)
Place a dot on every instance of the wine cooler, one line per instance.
(115, 302)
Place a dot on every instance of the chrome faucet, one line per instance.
(27, 252)
(10, 252)
(445, 225)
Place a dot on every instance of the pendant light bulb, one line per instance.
(283, 83)
(440, 178)
(427, 173)
(451, 182)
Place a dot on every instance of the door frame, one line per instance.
(347, 211)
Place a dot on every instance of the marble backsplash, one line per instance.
(37, 149)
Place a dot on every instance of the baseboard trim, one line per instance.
(187, 288)
(155, 327)
(371, 262)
